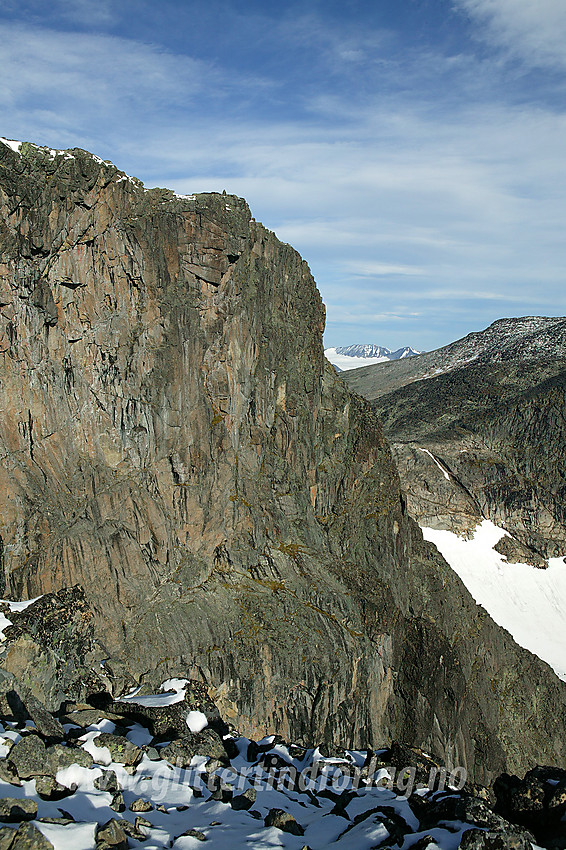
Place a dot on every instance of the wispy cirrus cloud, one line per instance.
(416, 188)
(535, 32)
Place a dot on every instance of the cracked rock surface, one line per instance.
(173, 443)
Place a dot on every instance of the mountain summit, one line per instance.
(348, 357)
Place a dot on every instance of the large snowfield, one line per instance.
(527, 601)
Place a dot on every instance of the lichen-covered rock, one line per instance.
(28, 837)
(205, 743)
(480, 839)
(173, 442)
(284, 821)
(61, 757)
(122, 751)
(51, 651)
(169, 721)
(29, 757)
(14, 811)
(111, 836)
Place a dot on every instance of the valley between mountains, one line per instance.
(189, 491)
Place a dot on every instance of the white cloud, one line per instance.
(361, 269)
(458, 202)
(83, 78)
(535, 31)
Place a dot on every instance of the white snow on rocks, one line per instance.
(174, 692)
(11, 143)
(345, 361)
(13, 606)
(527, 601)
(437, 462)
(196, 721)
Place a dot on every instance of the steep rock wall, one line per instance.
(173, 441)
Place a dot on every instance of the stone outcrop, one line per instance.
(173, 441)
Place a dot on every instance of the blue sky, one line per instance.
(413, 151)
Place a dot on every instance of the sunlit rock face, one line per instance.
(173, 441)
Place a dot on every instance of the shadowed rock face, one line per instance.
(173, 441)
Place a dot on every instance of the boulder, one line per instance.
(29, 758)
(244, 801)
(14, 811)
(28, 837)
(284, 821)
(206, 743)
(121, 750)
(111, 836)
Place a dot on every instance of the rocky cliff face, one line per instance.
(173, 441)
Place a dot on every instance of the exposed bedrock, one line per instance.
(173, 441)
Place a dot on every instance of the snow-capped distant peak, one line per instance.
(404, 352)
(368, 350)
(353, 356)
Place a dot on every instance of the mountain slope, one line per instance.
(173, 440)
(493, 419)
(505, 341)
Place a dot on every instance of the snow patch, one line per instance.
(13, 606)
(196, 721)
(529, 602)
(20, 606)
(175, 689)
(11, 143)
(437, 462)
(68, 837)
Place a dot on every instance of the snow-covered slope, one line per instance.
(529, 602)
(353, 356)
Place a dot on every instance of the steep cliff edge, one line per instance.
(173, 441)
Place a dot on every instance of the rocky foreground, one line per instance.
(122, 774)
(115, 766)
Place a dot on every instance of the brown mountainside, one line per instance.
(173, 441)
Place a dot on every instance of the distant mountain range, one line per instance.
(347, 357)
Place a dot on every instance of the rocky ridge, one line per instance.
(518, 341)
(174, 443)
(492, 420)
